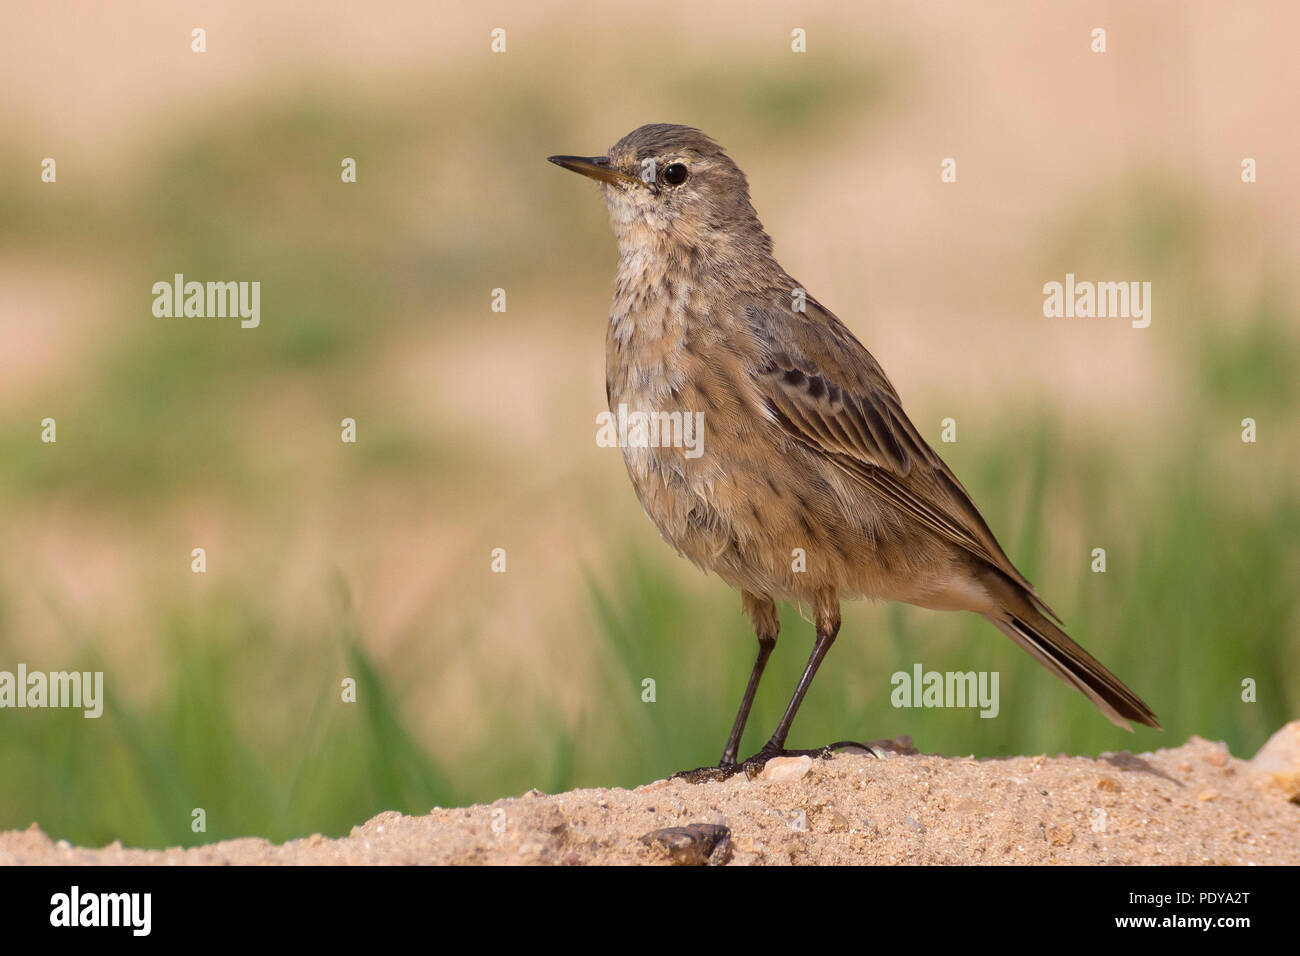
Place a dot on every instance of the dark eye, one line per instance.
(674, 174)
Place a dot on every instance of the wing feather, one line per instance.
(828, 392)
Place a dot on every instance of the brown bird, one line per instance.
(805, 442)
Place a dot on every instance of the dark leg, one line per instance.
(765, 646)
(776, 745)
(828, 626)
(762, 613)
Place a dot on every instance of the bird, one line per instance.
(811, 485)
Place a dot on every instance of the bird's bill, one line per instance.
(596, 167)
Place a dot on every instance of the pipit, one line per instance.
(813, 485)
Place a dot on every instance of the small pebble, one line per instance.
(785, 769)
(697, 844)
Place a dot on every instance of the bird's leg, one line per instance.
(765, 645)
(775, 746)
(827, 617)
(767, 625)
(763, 613)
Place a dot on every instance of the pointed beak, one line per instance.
(596, 167)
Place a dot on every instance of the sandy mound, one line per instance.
(1196, 804)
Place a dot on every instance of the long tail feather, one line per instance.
(1021, 621)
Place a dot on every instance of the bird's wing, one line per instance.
(828, 392)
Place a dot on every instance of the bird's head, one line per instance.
(672, 190)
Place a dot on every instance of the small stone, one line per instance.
(1279, 760)
(1205, 796)
(1109, 783)
(696, 844)
(785, 769)
(918, 827)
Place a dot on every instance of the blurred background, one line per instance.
(476, 429)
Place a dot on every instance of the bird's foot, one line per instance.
(752, 767)
(715, 774)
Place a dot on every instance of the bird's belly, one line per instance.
(688, 504)
(709, 497)
(673, 482)
(768, 522)
(679, 476)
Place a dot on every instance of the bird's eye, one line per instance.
(674, 174)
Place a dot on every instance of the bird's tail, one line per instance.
(1020, 619)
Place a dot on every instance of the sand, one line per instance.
(1196, 804)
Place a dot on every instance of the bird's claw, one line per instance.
(753, 766)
